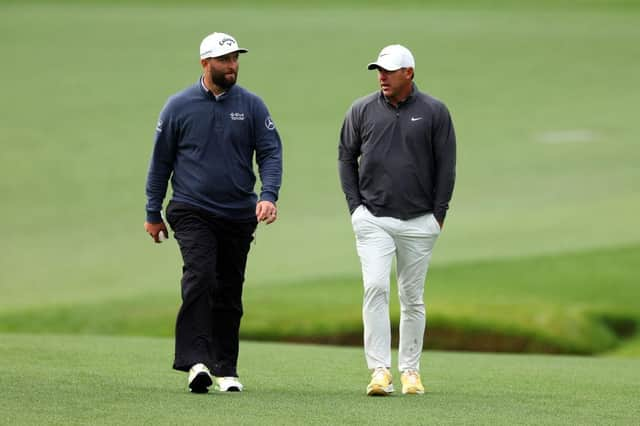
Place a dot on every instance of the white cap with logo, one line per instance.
(219, 44)
(393, 58)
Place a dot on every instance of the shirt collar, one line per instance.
(210, 93)
(409, 98)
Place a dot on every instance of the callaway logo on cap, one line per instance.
(219, 44)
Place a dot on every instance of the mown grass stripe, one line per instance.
(61, 379)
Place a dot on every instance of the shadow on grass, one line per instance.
(591, 333)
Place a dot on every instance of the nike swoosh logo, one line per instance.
(416, 118)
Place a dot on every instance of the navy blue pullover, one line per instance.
(206, 145)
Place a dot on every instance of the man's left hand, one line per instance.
(266, 212)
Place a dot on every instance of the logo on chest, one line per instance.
(237, 116)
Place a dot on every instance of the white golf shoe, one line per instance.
(228, 384)
(199, 378)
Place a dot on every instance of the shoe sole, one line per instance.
(412, 391)
(230, 389)
(379, 390)
(200, 383)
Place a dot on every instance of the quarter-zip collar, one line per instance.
(210, 94)
(408, 100)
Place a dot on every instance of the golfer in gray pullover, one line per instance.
(397, 159)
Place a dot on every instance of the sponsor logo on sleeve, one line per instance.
(269, 124)
(159, 126)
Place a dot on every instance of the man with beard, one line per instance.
(205, 141)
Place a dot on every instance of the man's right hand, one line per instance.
(154, 230)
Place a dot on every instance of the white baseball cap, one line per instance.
(219, 44)
(393, 58)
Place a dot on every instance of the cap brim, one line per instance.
(238, 50)
(386, 67)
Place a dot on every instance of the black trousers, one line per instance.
(214, 252)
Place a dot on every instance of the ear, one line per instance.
(409, 73)
(203, 62)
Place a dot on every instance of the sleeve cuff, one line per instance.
(268, 196)
(154, 217)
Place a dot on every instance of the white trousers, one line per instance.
(378, 239)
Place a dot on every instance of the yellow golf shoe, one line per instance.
(380, 384)
(411, 383)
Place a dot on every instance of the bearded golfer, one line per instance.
(205, 141)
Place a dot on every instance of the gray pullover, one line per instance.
(398, 162)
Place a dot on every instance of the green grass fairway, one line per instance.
(540, 248)
(544, 100)
(103, 380)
